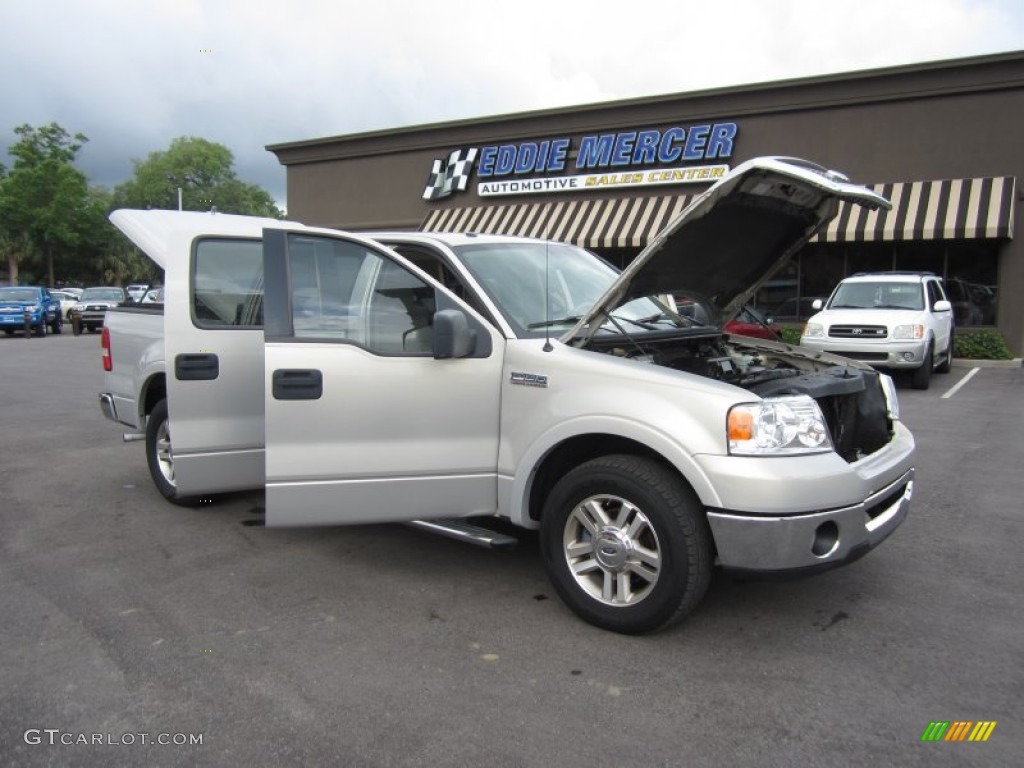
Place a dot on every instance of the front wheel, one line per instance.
(58, 324)
(40, 330)
(947, 359)
(922, 376)
(626, 544)
(160, 456)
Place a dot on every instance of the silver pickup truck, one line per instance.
(439, 378)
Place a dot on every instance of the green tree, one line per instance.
(103, 253)
(42, 198)
(204, 171)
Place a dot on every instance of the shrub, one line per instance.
(986, 344)
(790, 335)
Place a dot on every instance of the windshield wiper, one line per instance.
(642, 322)
(653, 318)
(661, 316)
(559, 321)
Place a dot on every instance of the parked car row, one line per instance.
(48, 309)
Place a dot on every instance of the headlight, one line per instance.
(908, 332)
(889, 389)
(814, 330)
(778, 426)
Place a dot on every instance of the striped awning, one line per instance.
(953, 209)
(624, 223)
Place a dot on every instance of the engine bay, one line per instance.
(850, 396)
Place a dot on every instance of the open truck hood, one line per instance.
(726, 244)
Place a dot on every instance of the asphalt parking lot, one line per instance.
(386, 646)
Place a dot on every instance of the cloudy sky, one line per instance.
(134, 74)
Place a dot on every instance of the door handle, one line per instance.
(196, 367)
(297, 384)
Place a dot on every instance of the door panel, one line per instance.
(214, 349)
(394, 434)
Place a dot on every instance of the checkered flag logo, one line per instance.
(450, 175)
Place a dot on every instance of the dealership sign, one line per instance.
(601, 161)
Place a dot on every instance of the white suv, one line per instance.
(897, 320)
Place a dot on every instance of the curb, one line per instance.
(963, 362)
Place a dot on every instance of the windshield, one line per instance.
(102, 294)
(878, 295)
(517, 276)
(19, 294)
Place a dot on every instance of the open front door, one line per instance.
(363, 424)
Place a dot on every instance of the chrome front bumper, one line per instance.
(810, 542)
(881, 354)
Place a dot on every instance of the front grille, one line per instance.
(859, 423)
(858, 332)
(868, 357)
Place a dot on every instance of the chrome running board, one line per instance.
(467, 532)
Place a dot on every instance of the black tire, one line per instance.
(922, 376)
(92, 328)
(160, 456)
(58, 324)
(947, 359)
(650, 564)
(8, 331)
(41, 329)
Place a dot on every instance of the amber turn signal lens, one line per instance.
(741, 425)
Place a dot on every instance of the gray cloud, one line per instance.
(133, 75)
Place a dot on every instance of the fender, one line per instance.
(514, 492)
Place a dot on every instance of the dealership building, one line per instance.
(937, 139)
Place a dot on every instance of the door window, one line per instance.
(227, 284)
(343, 291)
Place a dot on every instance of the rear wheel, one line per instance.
(160, 456)
(923, 375)
(626, 544)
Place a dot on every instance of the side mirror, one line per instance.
(453, 338)
(943, 306)
(769, 321)
(817, 304)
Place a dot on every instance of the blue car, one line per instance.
(42, 308)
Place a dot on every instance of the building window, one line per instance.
(972, 274)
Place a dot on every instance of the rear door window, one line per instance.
(227, 284)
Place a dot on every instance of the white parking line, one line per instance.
(955, 388)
